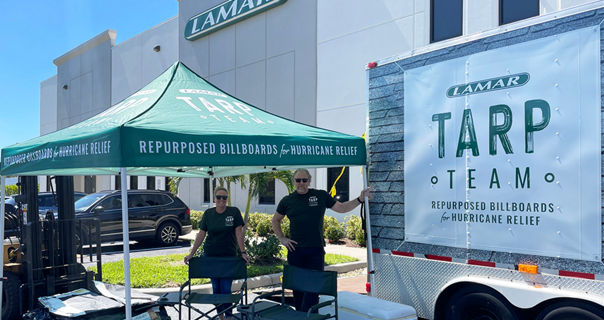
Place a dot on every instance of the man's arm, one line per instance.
(343, 207)
(286, 242)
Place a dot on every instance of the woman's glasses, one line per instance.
(221, 197)
(298, 180)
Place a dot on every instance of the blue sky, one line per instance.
(34, 33)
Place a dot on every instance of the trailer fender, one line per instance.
(524, 295)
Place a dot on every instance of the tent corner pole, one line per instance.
(2, 212)
(126, 238)
(370, 269)
(211, 188)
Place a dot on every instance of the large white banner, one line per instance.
(502, 149)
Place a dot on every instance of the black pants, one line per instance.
(308, 258)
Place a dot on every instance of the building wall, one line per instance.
(268, 60)
(83, 80)
(48, 105)
(135, 62)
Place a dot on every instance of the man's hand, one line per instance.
(245, 257)
(288, 243)
(187, 258)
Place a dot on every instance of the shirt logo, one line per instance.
(228, 221)
(313, 201)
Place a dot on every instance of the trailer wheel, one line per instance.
(10, 296)
(475, 303)
(572, 310)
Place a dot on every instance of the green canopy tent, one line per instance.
(179, 125)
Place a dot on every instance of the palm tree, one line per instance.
(287, 177)
(258, 182)
(255, 184)
(229, 180)
(173, 184)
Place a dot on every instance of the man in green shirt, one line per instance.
(305, 209)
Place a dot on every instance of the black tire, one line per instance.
(167, 233)
(10, 296)
(472, 303)
(572, 310)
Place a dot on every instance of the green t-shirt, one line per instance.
(220, 227)
(305, 213)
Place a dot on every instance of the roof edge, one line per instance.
(98, 39)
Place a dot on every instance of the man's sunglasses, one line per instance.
(298, 180)
(221, 197)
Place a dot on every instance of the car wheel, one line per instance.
(167, 233)
(10, 296)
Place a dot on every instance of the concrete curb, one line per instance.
(256, 282)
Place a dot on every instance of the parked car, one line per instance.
(47, 201)
(152, 214)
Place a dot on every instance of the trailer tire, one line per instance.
(476, 303)
(10, 296)
(572, 310)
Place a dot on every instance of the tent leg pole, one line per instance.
(2, 212)
(126, 238)
(370, 270)
(211, 190)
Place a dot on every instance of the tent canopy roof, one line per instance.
(181, 125)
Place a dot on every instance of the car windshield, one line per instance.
(85, 202)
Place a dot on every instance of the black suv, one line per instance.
(152, 214)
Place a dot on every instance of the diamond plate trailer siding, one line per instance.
(442, 281)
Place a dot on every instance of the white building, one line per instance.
(301, 59)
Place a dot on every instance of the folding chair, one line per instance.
(294, 278)
(213, 267)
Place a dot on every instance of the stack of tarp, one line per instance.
(105, 301)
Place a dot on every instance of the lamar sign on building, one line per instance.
(502, 149)
(225, 14)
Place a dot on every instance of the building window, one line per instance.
(343, 184)
(267, 196)
(446, 18)
(118, 182)
(514, 10)
(151, 183)
(167, 183)
(89, 184)
(133, 182)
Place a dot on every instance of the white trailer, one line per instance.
(486, 162)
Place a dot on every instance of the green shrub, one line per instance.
(264, 227)
(253, 220)
(334, 233)
(329, 222)
(196, 218)
(264, 250)
(354, 230)
(11, 189)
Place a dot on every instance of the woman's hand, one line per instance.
(246, 258)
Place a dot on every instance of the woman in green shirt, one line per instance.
(224, 228)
